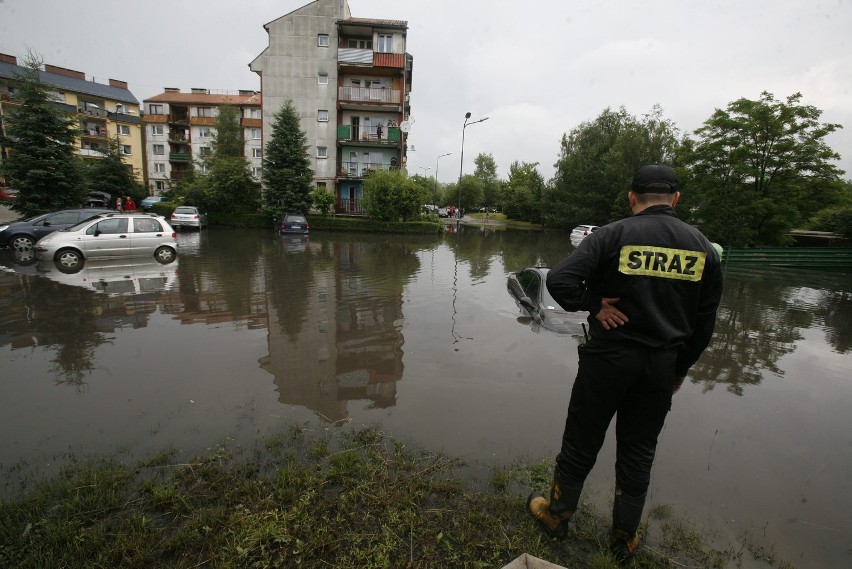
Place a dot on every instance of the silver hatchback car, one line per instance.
(110, 236)
(188, 216)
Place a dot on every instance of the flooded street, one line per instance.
(248, 332)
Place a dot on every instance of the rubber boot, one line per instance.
(554, 514)
(626, 515)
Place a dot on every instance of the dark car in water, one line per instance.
(23, 235)
(529, 290)
(294, 223)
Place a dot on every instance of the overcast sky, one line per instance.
(536, 68)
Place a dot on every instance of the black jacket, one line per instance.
(666, 273)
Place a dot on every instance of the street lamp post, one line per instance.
(436, 174)
(461, 160)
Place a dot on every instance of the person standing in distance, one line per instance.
(652, 285)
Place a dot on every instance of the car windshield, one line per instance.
(78, 226)
(547, 300)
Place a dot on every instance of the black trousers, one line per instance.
(632, 382)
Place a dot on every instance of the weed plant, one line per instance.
(335, 498)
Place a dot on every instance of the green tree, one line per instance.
(228, 140)
(229, 185)
(42, 141)
(322, 199)
(524, 193)
(425, 187)
(471, 195)
(486, 173)
(286, 167)
(761, 168)
(110, 174)
(391, 196)
(596, 163)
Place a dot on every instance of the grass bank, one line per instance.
(331, 498)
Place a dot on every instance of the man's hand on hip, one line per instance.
(609, 316)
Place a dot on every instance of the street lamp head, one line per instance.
(467, 115)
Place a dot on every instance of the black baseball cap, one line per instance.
(654, 179)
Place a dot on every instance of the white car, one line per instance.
(110, 236)
(188, 216)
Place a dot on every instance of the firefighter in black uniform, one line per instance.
(651, 284)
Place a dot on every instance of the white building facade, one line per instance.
(350, 79)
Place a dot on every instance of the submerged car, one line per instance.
(22, 235)
(188, 216)
(294, 223)
(529, 290)
(110, 236)
(581, 232)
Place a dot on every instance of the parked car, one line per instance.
(294, 223)
(148, 203)
(24, 234)
(188, 216)
(530, 293)
(110, 236)
(8, 194)
(443, 212)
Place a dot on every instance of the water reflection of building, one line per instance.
(351, 347)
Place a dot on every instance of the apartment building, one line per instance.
(350, 79)
(180, 128)
(104, 111)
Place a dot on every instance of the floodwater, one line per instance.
(248, 332)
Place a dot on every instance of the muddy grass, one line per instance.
(327, 498)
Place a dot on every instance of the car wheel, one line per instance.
(165, 255)
(22, 243)
(68, 260)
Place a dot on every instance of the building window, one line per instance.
(159, 168)
(255, 133)
(322, 40)
(385, 43)
(159, 149)
(322, 152)
(157, 130)
(204, 132)
(125, 149)
(322, 78)
(204, 151)
(253, 114)
(322, 115)
(119, 108)
(155, 109)
(257, 152)
(159, 186)
(123, 129)
(205, 169)
(205, 111)
(256, 172)
(321, 186)
(361, 44)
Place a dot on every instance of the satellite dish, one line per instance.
(405, 126)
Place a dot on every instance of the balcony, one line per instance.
(92, 111)
(179, 156)
(89, 152)
(179, 118)
(375, 135)
(97, 132)
(357, 170)
(369, 95)
(352, 207)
